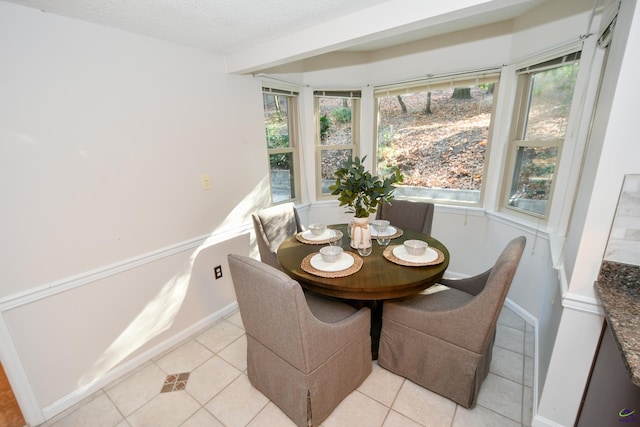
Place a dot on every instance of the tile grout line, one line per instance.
(155, 361)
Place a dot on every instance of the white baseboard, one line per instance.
(82, 393)
(539, 421)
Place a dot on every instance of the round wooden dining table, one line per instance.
(377, 280)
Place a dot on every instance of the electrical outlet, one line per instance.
(205, 180)
(217, 271)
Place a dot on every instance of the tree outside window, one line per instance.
(437, 133)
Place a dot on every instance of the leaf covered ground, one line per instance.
(444, 148)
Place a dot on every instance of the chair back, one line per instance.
(499, 281)
(407, 214)
(272, 225)
(272, 307)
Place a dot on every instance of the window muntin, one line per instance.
(545, 93)
(438, 140)
(337, 133)
(280, 120)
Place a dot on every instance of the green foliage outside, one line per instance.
(341, 115)
(275, 136)
(277, 139)
(325, 125)
(338, 115)
(557, 85)
(386, 150)
(535, 174)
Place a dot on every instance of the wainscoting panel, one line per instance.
(70, 339)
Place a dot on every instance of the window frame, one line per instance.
(520, 116)
(355, 97)
(439, 82)
(293, 119)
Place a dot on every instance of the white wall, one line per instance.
(105, 226)
(105, 134)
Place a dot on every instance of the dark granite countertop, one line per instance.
(618, 287)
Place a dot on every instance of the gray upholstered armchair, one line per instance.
(304, 353)
(416, 216)
(444, 341)
(272, 225)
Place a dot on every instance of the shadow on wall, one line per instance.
(159, 313)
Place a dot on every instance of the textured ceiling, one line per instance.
(295, 30)
(220, 26)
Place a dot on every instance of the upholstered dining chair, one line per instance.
(272, 225)
(304, 353)
(416, 216)
(443, 341)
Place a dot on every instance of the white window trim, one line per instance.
(355, 134)
(294, 140)
(520, 107)
(438, 82)
(570, 162)
(578, 133)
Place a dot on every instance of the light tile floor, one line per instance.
(217, 391)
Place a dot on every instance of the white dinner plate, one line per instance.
(326, 234)
(428, 256)
(345, 261)
(391, 230)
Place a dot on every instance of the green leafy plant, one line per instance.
(342, 115)
(325, 124)
(361, 191)
(277, 136)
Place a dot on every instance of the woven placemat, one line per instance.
(357, 265)
(388, 254)
(315, 242)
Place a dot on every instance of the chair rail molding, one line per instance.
(84, 278)
(582, 303)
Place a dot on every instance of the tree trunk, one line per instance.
(427, 109)
(461, 93)
(276, 102)
(401, 102)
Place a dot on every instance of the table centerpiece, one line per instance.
(362, 193)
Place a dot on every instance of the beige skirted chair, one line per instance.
(272, 225)
(443, 341)
(406, 214)
(304, 353)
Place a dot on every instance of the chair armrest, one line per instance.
(471, 285)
